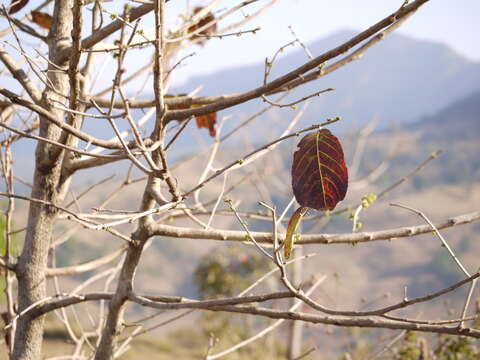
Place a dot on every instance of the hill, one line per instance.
(400, 79)
(367, 275)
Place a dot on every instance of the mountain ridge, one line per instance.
(369, 87)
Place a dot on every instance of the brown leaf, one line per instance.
(207, 121)
(16, 5)
(203, 21)
(43, 20)
(203, 121)
(319, 173)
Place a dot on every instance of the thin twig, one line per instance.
(436, 232)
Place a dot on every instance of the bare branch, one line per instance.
(87, 266)
(369, 322)
(14, 98)
(348, 238)
(268, 329)
(20, 76)
(279, 82)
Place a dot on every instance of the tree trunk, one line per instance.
(114, 323)
(48, 185)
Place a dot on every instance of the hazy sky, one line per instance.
(456, 23)
(453, 22)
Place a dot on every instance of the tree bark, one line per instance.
(48, 185)
(114, 323)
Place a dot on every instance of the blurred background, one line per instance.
(414, 93)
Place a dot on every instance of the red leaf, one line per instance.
(319, 178)
(319, 173)
(16, 5)
(207, 121)
(42, 19)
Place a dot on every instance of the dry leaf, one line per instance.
(42, 19)
(207, 121)
(203, 21)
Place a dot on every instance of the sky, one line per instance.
(455, 23)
